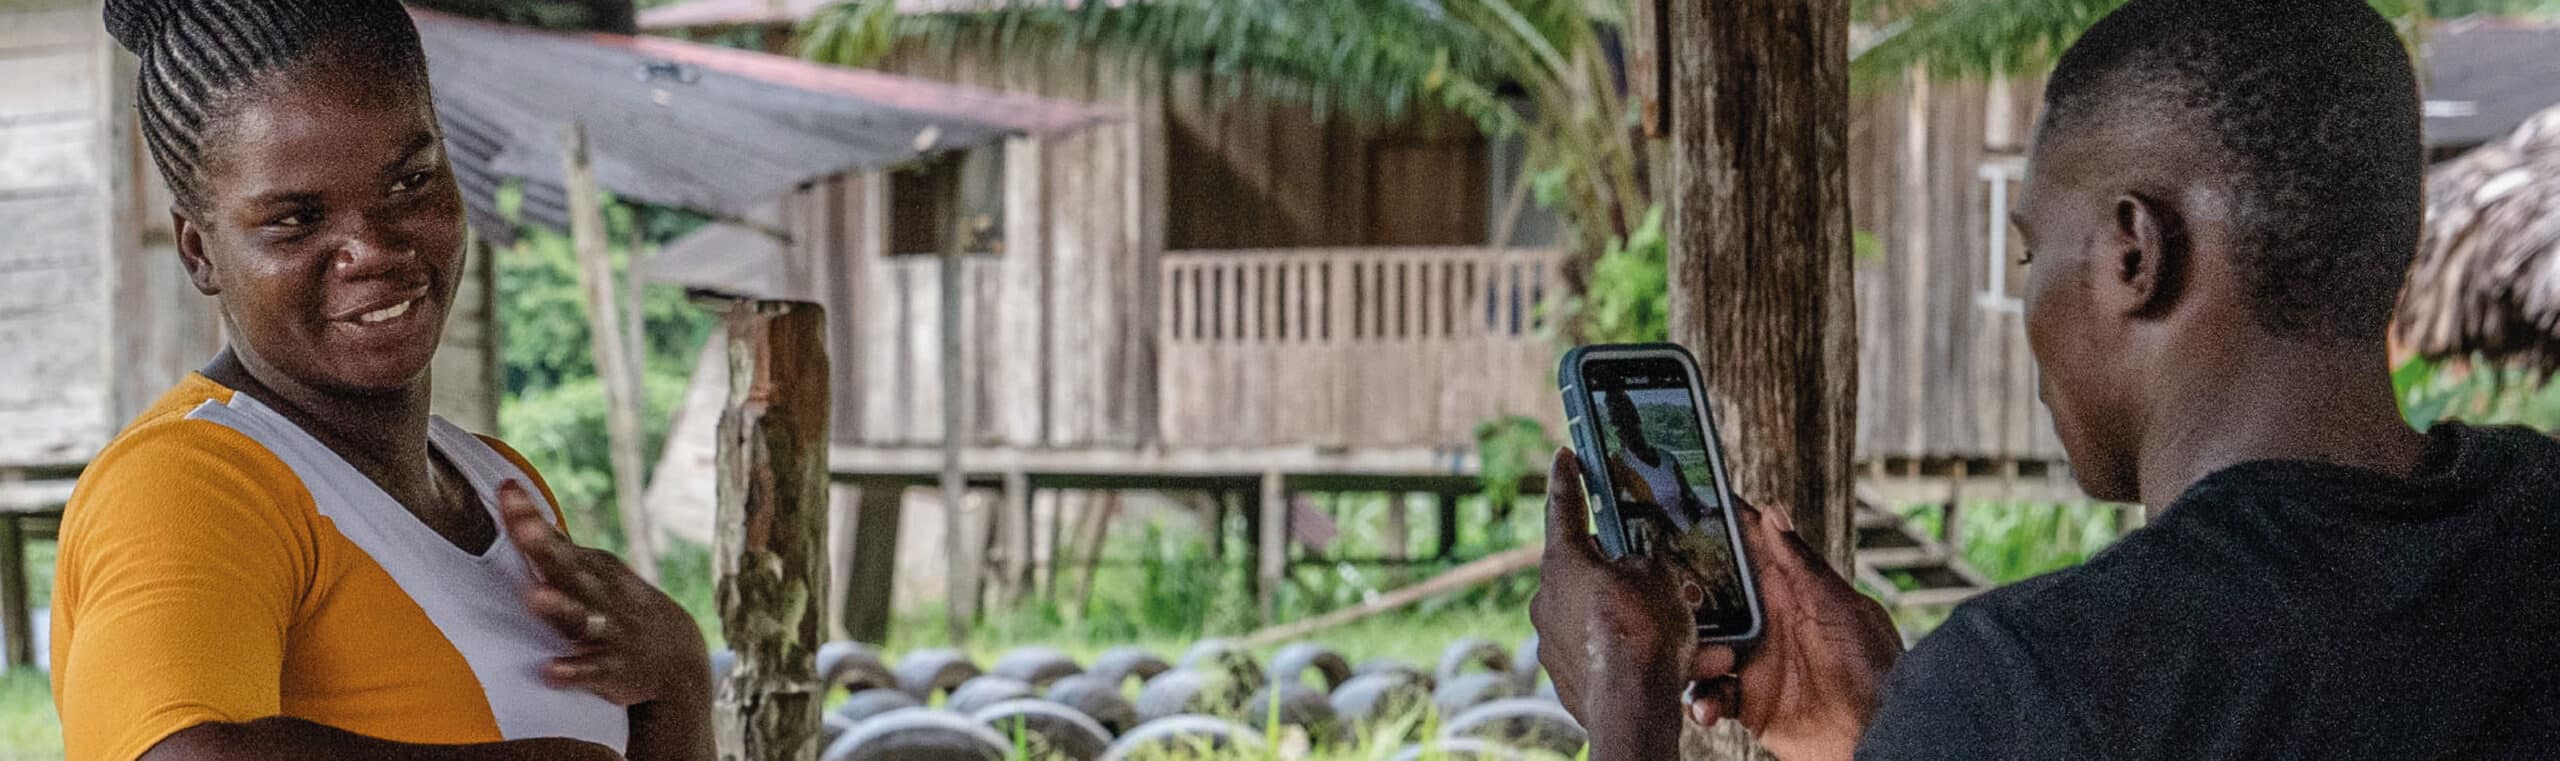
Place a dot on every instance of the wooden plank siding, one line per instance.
(56, 163)
(1944, 368)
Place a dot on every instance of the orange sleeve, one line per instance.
(186, 553)
(559, 515)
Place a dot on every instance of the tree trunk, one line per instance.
(1760, 255)
(771, 558)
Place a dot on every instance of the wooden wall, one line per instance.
(60, 171)
(1061, 325)
(1944, 371)
(1253, 173)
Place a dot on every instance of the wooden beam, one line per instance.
(961, 603)
(1448, 526)
(771, 530)
(872, 571)
(16, 621)
(1478, 572)
(1274, 508)
(1760, 255)
(622, 399)
(1013, 518)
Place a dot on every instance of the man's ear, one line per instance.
(2142, 257)
(191, 253)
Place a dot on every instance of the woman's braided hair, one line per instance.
(202, 58)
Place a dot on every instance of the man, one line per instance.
(2222, 199)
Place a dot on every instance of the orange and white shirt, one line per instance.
(219, 564)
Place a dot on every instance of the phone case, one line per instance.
(1606, 523)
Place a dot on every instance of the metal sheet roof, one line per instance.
(683, 124)
(2485, 77)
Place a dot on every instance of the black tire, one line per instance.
(1524, 662)
(868, 703)
(1181, 737)
(1460, 750)
(1218, 655)
(918, 734)
(1290, 665)
(1120, 663)
(1099, 698)
(1366, 703)
(1393, 666)
(1471, 655)
(853, 666)
(1455, 696)
(986, 690)
(1049, 729)
(1184, 691)
(1520, 723)
(1037, 666)
(926, 672)
(830, 727)
(1298, 706)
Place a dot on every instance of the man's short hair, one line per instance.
(2315, 106)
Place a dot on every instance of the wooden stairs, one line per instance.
(1906, 567)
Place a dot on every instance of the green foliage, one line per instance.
(2013, 541)
(1629, 297)
(2475, 392)
(1508, 449)
(1981, 38)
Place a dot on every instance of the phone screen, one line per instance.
(1667, 478)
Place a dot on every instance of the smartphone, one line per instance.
(1656, 476)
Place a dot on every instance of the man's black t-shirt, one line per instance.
(2276, 610)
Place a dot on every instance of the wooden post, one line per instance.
(962, 575)
(622, 400)
(1013, 517)
(19, 624)
(1399, 535)
(771, 534)
(1951, 523)
(874, 562)
(1760, 258)
(1448, 526)
(1273, 506)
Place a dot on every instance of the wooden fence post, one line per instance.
(771, 529)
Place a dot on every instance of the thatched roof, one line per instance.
(2487, 281)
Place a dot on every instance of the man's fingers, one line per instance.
(1713, 661)
(1713, 700)
(1568, 514)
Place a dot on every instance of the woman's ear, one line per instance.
(2143, 257)
(191, 253)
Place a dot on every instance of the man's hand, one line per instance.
(1614, 636)
(1809, 686)
(629, 643)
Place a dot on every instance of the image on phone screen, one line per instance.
(1664, 479)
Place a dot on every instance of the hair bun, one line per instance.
(136, 24)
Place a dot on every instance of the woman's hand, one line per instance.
(629, 642)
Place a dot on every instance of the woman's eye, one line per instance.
(296, 219)
(2026, 258)
(412, 182)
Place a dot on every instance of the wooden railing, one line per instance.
(1352, 347)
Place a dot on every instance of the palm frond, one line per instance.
(1960, 39)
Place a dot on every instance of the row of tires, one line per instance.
(1216, 700)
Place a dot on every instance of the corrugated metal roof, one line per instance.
(684, 124)
(718, 13)
(2485, 77)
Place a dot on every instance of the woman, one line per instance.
(286, 556)
(1655, 491)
